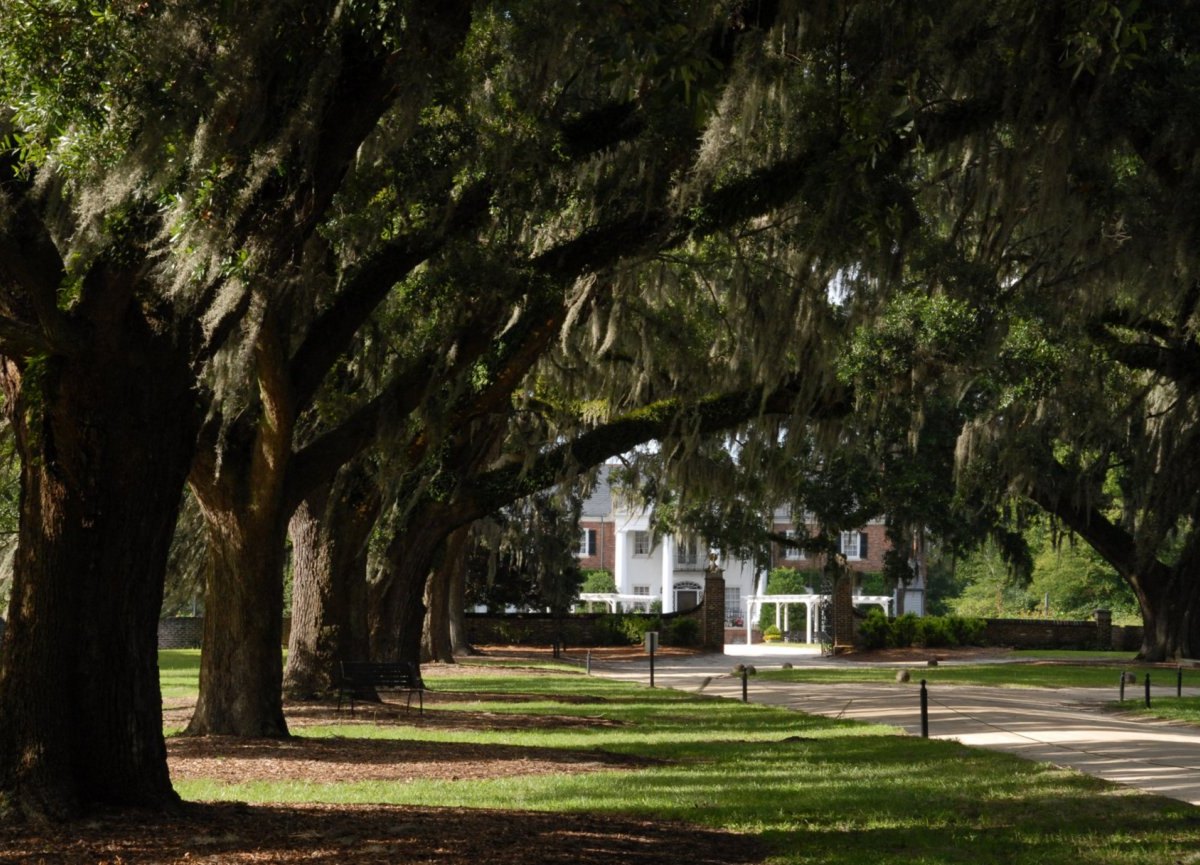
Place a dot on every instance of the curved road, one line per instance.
(1066, 727)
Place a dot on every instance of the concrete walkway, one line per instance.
(1066, 727)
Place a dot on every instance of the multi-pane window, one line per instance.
(853, 545)
(645, 592)
(641, 543)
(587, 542)
(733, 605)
(687, 552)
(790, 552)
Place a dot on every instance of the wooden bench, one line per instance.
(402, 676)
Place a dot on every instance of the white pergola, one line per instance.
(755, 603)
(614, 599)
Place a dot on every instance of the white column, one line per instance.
(752, 608)
(787, 608)
(619, 562)
(668, 574)
(808, 624)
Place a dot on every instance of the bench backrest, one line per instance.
(382, 675)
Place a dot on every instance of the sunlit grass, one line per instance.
(179, 672)
(1183, 709)
(1018, 675)
(1072, 655)
(814, 789)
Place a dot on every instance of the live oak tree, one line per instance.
(204, 204)
(640, 217)
(1084, 396)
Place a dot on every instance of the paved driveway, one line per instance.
(1066, 727)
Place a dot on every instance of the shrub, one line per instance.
(683, 632)
(904, 631)
(598, 581)
(875, 630)
(935, 632)
(772, 634)
(969, 631)
(634, 626)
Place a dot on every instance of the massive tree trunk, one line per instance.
(1170, 601)
(1169, 596)
(239, 481)
(106, 438)
(329, 533)
(438, 639)
(460, 643)
(398, 602)
(241, 662)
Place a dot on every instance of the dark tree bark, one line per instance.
(1169, 595)
(106, 437)
(329, 533)
(398, 602)
(460, 643)
(438, 640)
(241, 665)
(246, 513)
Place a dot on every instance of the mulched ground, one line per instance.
(358, 835)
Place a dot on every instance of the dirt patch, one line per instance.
(333, 760)
(373, 835)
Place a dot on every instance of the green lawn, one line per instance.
(179, 672)
(815, 790)
(1018, 675)
(1185, 710)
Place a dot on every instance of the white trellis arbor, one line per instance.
(811, 602)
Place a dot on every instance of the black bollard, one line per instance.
(1147, 690)
(924, 711)
(1179, 681)
(1122, 686)
(589, 662)
(745, 679)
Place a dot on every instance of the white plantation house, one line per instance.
(651, 569)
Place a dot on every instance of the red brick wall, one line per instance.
(877, 545)
(606, 545)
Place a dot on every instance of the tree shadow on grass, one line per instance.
(236, 833)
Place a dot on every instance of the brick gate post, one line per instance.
(843, 611)
(1104, 630)
(713, 636)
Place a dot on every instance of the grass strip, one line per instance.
(1017, 675)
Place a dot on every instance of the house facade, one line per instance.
(667, 572)
(861, 549)
(654, 570)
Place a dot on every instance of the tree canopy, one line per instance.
(472, 248)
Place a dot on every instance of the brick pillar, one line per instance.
(843, 611)
(1104, 630)
(713, 637)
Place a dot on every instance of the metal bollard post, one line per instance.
(745, 679)
(589, 662)
(1122, 686)
(1179, 681)
(1147, 690)
(924, 711)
